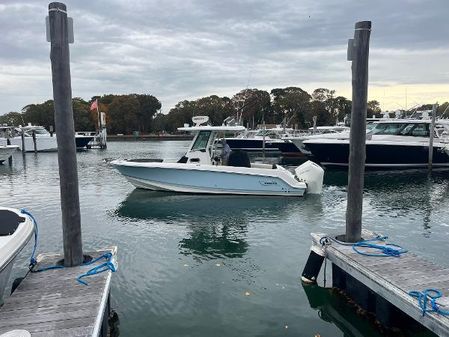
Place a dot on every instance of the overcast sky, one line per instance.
(187, 49)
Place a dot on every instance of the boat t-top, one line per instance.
(209, 167)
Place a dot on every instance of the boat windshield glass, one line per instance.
(402, 129)
(38, 131)
(201, 141)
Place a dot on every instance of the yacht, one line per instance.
(253, 140)
(394, 143)
(45, 141)
(6, 151)
(208, 169)
(294, 144)
(16, 230)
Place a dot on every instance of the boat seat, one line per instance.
(239, 158)
(9, 221)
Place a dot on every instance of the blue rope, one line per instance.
(429, 296)
(385, 250)
(33, 261)
(108, 265)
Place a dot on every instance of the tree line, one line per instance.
(142, 112)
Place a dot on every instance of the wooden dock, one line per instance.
(393, 278)
(53, 303)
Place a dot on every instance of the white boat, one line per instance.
(45, 142)
(203, 170)
(6, 151)
(16, 230)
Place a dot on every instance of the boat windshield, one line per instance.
(38, 131)
(201, 141)
(402, 129)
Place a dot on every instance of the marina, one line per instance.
(212, 233)
(189, 257)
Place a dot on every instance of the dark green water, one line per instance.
(223, 266)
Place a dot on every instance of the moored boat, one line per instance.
(205, 168)
(16, 230)
(390, 144)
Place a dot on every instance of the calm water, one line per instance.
(223, 266)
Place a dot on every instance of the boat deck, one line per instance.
(53, 303)
(394, 277)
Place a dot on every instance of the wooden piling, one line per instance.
(68, 173)
(33, 134)
(358, 50)
(431, 135)
(22, 136)
(8, 142)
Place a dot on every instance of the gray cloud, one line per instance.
(179, 50)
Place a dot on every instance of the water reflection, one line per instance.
(217, 225)
(332, 307)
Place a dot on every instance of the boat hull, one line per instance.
(248, 144)
(43, 144)
(210, 179)
(379, 155)
(83, 141)
(6, 152)
(12, 244)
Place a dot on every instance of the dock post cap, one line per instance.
(363, 25)
(57, 5)
(16, 333)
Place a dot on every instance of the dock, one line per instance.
(374, 280)
(53, 303)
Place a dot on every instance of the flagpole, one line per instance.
(99, 117)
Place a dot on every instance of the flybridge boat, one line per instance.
(16, 230)
(6, 151)
(394, 143)
(205, 168)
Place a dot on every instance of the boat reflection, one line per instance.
(217, 225)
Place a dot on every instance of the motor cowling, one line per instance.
(312, 174)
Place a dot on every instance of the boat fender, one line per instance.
(312, 174)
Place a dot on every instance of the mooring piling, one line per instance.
(358, 51)
(431, 135)
(62, 93)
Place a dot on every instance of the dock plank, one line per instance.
(393, 278)
(53, 303)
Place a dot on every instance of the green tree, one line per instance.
(253, 105)
(82, 116)
(12, 118)
(373, 108)
(148, 107)
(291, 103)
(123, 112)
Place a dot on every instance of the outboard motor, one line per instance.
(312, 174)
